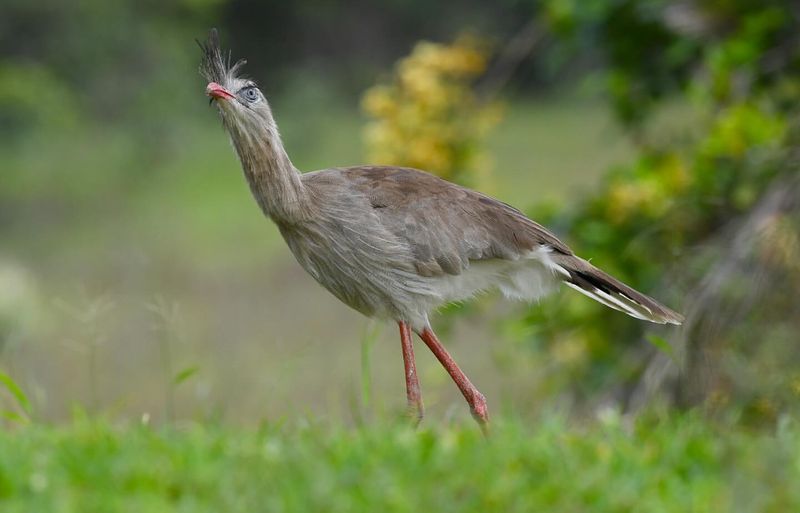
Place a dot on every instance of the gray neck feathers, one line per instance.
(273, 180)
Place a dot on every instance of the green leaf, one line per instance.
(16, 392)
(661, 344)
(185, 374)
(14, 416)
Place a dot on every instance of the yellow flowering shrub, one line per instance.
(428, 116)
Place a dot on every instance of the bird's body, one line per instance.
(396, 243)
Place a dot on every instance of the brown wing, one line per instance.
(447, 225)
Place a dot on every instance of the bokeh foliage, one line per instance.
(111, 61)
(659, 222)
(428, 115)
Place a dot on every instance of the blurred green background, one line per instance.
(138, 277)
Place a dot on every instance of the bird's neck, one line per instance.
(273, 179)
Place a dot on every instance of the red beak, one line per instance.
(214, 90)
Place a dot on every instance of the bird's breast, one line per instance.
(364, 268)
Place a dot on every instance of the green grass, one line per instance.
(682, 464)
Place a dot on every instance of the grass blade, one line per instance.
(185, 374)
(16, 392)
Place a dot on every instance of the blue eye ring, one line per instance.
(250, 93)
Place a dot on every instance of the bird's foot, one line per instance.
(480, 411)
(415, 412)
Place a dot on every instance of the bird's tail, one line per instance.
(603, 288)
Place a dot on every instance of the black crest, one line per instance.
(214, 67)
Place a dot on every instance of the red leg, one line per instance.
(413, 394)
(475, 399)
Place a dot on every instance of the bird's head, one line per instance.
(244, 109)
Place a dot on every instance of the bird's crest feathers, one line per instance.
(215, 67)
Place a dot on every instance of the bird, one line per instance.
(396, 243)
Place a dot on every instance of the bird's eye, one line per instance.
(250, 94)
